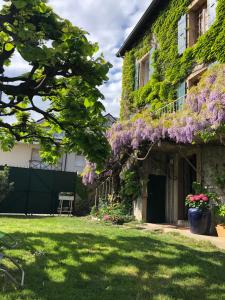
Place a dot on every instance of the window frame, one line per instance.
(142, 70)
(196, 74)
(194, 10)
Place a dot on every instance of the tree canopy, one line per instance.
(64, 77)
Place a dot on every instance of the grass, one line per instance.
(72, 258)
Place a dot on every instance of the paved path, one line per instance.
(216, 241)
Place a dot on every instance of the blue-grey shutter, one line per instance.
(211, 11)
(151, 66)
(137, 71)
(181, 92)
(182, 34)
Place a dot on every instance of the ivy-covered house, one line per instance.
(173, 104)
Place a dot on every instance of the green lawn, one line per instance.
(71, 258)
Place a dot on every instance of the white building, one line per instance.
(28, 156)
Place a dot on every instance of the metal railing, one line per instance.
(172, 107)
(104, 190)
(36, 164)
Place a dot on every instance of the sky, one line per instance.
(108, 22)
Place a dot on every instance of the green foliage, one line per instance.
(130, 188)
(116, 213)
(65, 74)
(169, 67)
(220, 213)
(5, 186)
(82, 203)
(220, 180)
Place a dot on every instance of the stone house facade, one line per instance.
(150, 61)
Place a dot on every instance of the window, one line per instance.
(195, 77)
(35, 155)
(197, 21)
(201, 15)
(144, 69)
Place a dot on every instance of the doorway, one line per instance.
(187, 175)
(156, 205)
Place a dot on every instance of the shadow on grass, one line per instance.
(87, 266)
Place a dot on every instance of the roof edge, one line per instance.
(131, 37)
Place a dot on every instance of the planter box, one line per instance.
(220, 230)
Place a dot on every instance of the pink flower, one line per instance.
(192, 198)
(106, 218)
(205, 198)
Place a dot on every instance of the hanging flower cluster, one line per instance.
(204, 110)
(89, 173)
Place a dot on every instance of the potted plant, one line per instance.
(199, 215)
(220, 214)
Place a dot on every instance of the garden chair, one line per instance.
(7, 241)
(16, 276)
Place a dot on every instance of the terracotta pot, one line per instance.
(220, 230)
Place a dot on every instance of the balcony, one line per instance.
(172, 107)
(36, 164)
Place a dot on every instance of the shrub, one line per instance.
(5, 186)
(111, 212)
(220, 213)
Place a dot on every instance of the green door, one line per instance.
(156, 205)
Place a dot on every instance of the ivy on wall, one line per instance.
(169, 67)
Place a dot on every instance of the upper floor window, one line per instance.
(202, 20)
(144, 69)
(197, 21)
(201, 15)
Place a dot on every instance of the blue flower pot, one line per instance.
(199, 220)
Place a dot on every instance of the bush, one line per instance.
(83, 201)
(5, 186)
(111, 212)
(220, 214)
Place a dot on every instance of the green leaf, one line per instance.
(20, 3)
(88, 103)
(9, 46)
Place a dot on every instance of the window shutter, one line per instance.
(182, 34)
(181, 92)
(137, 71)
(211, 11)
(151, 66)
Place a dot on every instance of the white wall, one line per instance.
(73, 163)
(18, 157)
(21, 154)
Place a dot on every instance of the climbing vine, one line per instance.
(169, 67)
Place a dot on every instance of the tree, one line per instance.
(64, 77)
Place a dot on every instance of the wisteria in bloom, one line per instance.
(204, 109)
(88, 175)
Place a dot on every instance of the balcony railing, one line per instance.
(36, 164)
(172, 107)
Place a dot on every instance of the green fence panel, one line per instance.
(36, 191)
